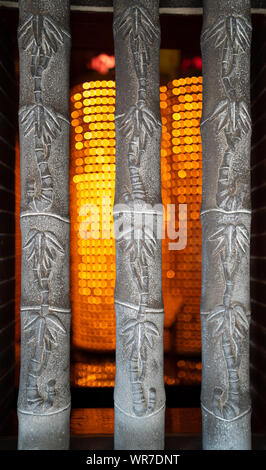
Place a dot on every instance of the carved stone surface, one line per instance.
(225, 214)
(44, 396)
(139, 386)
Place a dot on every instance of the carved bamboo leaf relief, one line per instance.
(228, 321)
(235, 29)
(55, 323)
(41, 32)
(139, 239)
(45, 313)
(137, 121)
(43, 248)
(136, 239)
(231, 116)
(41, 119)
(232, 320)
(43, 326)
(225, 303)
(231, 239)
(136, 21)
(42, 36)
(140, 331)
(31, 320)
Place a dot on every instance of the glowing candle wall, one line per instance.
(92, 182)
(181, 162)
(44, 397)
(225, 213)
(92, 173)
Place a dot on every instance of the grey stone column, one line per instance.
(139, 386)
(225, 214)
(44, 396)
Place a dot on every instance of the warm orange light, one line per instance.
(93, 259)
(181, 184)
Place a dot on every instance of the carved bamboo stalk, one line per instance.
(139, 387)
(225, 215)
(44, 396)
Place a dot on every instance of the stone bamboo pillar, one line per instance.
(225, 214)
(44, 397)
(139, 386)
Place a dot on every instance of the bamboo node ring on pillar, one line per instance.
(226, 226)
(139, 332)
(44, 396)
